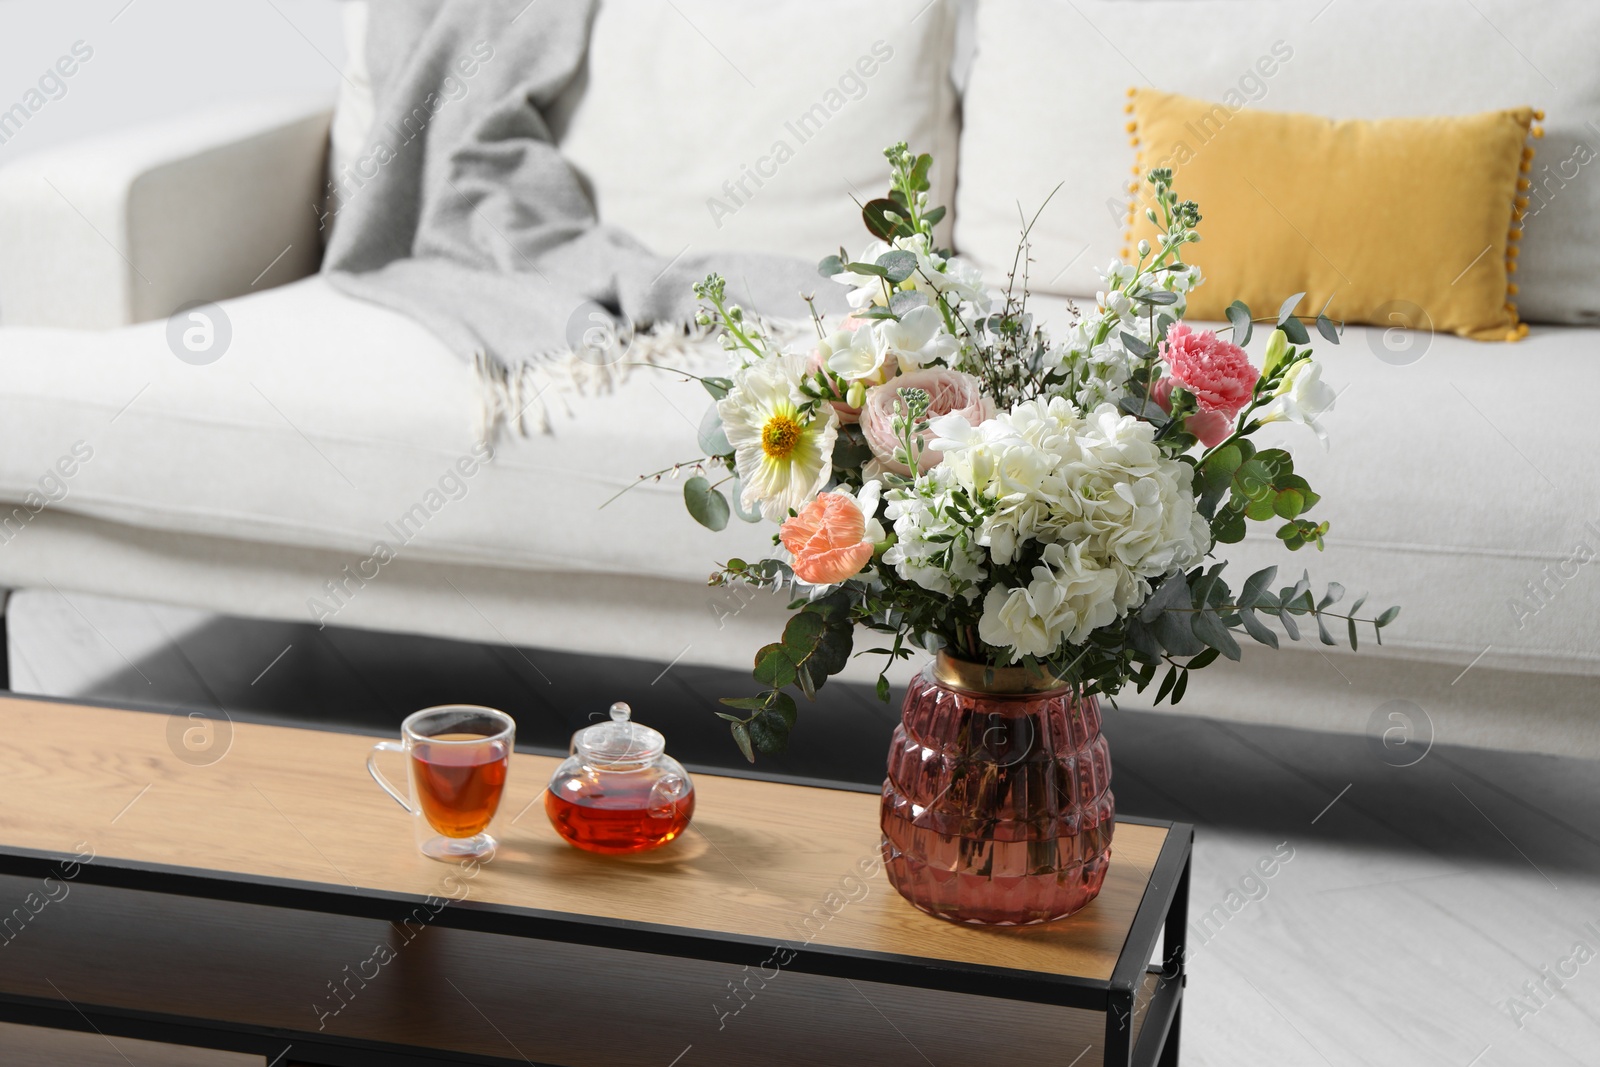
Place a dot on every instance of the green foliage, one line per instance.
(706, 503)
(816, 645)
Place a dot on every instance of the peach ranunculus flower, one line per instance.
(833, 537)
(950, 392)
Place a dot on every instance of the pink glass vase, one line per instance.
(997, 808)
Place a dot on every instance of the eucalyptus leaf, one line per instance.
(713, 442)
(736, 493)
(1258, 629)
(884, 218)
(717, 387)
(1208, 628)
(1253, 585)
(1327, 329)
(1239, 319)
(774, 666)
(807, 685)
(906, 300)
(741, 737)
(770, 733)
(1172, 593)
(898, 265)
(1290, 627)
(1173, 631)
(830, 266)
(1295, 331)
(707, 505)
(1143, 641)
(783, 706)
(1136, 346)
(867, 268)
(801, 634)
(1287, 310)
(1159, 297)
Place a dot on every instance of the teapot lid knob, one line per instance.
(620, 712)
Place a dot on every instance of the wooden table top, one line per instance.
(296, 804)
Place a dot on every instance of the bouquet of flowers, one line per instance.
(945, 473)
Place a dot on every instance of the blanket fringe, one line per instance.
(515, 398)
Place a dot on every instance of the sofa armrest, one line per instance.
(123, 228)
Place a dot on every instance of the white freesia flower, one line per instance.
(866, 289)
(958, 280)
(784, 455)
(1070, 596)
(854, 355)
(867, 498)
(1302, 396)
(917, 340)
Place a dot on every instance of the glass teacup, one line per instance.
(457, 756)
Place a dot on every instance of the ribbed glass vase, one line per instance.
(997, 808)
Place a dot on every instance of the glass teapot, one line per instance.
(619, 791)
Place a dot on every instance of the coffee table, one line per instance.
(245, 887)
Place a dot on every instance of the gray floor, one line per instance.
(1412, 916)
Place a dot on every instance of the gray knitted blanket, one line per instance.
(474, 224)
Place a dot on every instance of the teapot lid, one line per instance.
(620, 742)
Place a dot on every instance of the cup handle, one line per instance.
(377, 776)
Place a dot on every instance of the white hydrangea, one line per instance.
(1112, 510)
(1070, 597)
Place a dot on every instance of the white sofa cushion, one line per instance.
(1044, 105)
(709, 125)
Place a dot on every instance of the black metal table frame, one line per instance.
(1162, 917)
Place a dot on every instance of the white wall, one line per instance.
(154, 59)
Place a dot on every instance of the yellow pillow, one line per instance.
(1376, 215)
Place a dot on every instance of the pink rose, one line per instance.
(949, 393)
(1217, 372)
(828, 539)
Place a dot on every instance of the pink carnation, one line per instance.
(1217, 372)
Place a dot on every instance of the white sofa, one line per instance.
(259, 483)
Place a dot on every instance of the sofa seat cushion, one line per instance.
(336, 424)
